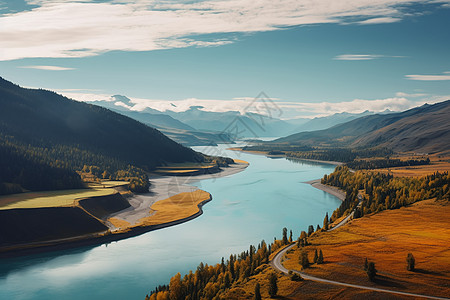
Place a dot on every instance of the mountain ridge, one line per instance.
(353, 133)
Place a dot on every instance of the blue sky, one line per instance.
(312, 57)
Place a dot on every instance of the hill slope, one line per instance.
(426, 132)
(320, 123)
(421, 129)
(50, 129)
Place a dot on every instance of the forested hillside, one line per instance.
(424, 129)
(45, 138)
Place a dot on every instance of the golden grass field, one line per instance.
(182, 168)
(240, 161)
(50, 198)
(174, 208)
(108, 184)
(119, 223)
(186, 165)
(386, 238)
(438, 163)
(179, 171)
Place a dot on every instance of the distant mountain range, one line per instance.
(196, 126)
(171, 127)
(424, 129)
(320, 123)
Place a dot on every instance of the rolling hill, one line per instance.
(423, 129)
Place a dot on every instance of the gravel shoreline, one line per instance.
(164, 187)
(328, 189)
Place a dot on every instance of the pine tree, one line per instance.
(410, 262)
(316, 257)
(290, 236)
(304, 261)
(310, 230)
(371, 271)
(303, 238)
(325, 222)
(227, 280)
(231, 265)
(273, 285)
(320, 258)
(222, 265)
(257, 291)
(285, 240)
(176, 288)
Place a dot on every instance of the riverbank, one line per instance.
(136, 219)
(265, 153)
(165, 187)
(328, 189)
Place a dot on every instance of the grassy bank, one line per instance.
(386, 238)
(50, 198)
(174, 208)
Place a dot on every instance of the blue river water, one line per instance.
(247, 207)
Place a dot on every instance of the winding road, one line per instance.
(277, 265)
(347, 218)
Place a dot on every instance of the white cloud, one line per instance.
(401, 94)
(445, 76)
(47, 68)
(120, 103)
(72, 28)
(380, 20)
(364, 56)
(354, 106)
(357, 57)
(289, 109)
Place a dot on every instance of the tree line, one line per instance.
(384, 191)
(343, 154)
(380, 163)
(212, 282)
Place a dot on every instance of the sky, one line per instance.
(311, 57)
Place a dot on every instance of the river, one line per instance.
(247, 207)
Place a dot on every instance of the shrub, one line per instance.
(410, 262)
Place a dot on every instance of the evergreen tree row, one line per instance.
(385, 163)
